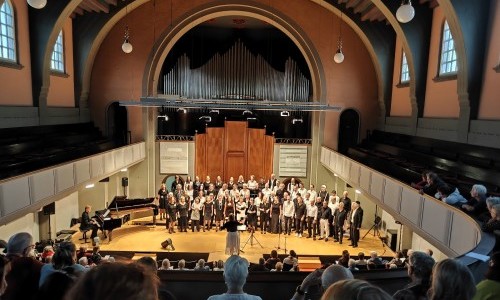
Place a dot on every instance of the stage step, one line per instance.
(308, 263)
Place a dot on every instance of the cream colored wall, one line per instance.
(419, 244)
(489, 108)
(28, 223)
(66, 209)
(118, 76)
(13, 94)
(62, 91)
(441, 99)
(401, 102)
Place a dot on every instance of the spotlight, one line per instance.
(182, 110)
(89, 186)
(164, 117)
(214, 111)
(247, 112)
(251, 119)
(294, 121)
(168, 243)
(285, 113)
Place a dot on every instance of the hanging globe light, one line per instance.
(405, 12)
(38, 4)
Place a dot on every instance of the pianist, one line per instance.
(87, 223)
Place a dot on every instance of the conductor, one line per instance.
(87, 223)
(233, 237)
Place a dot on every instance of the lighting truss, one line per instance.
(204, 104)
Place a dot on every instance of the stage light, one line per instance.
(358, 192)
(89, 186)
(168, 243)
(206, 118)
(285, 113)
(123, 170)
(294, 121)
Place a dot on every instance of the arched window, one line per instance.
(7, 32)
(448, 61)
(405, 72)
(57, 61)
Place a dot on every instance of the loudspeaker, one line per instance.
(49, 209)
(124, 181)
(166, 243)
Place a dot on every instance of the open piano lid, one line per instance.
(122, 203)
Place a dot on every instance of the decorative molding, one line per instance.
(183, 138)
(10, 64)
(293, 141)
(447, 77)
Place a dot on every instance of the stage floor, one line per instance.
(147, 238)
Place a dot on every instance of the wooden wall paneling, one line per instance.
(235, 147)
(215, 152)
(235, 165)
(268, 156)
(255, 153)
(201, 158)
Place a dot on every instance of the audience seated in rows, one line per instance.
(396, 262)
(129, 282)
(361, 261)
(355, 289)
(374, 261)
(433, 181)
(489, 288)
(219, 266)
(260, 267)
(64, 260)
(352, 265)
(235, 277)
(165, 265)
(151, 266)
(272, 260)
(494, 223)
(200, 266)
(420, 267)
(322, 279)
(451, 280)
(450, 195)
(477, 203)
(344, 259)
(22, 280)
(291, 262)
(181, 265)
(278, 267)
(422, 183)
(490, 201)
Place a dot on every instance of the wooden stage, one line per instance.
(147, 238)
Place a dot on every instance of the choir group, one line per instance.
(271, 206)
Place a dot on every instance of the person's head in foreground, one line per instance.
(354, 289)
(451, 280)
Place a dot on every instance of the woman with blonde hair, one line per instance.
(451, 280)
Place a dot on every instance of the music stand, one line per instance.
(251, 239)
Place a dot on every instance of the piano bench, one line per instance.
(84, 235)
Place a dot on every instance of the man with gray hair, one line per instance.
(325, 278)
(22, 280)
(420, 266)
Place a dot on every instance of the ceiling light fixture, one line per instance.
(214, 111)
(247, 112)
(89, 186)
(127, 46)
(206, 118)
(339, 55)
(38, 4)
(164, 117)
(285, 113)
(405, 12)
(294, 121)
(183, 110)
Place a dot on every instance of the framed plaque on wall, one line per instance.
(173, 158)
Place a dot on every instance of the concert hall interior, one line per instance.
(102, 102)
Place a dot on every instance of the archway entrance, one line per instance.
(348, 130)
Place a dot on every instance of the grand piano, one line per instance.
(119, 212)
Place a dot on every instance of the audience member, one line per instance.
(352, 265)
(322, 279)
(344, 259)
(477, 202)
(116, 281)
(433, 181)
(355, 289)
(396, 262)
(260, 267)
(278, 267)
(361, 259)
(451, 280)
(489, 288)
(494, 223)
(48, 251)
(4, 270)
(56, 285)
(219, 266)
(450, 195)
(490, 201)
(64, 260)
(151, 266)
(200, 266)
(420, 267)
(165, 265)
(84, 261)
(429, 251)
(181, 265)
(374, 260)
(22, 280)
(272, 260)
(291, 263)
(422, 183)
(96, 256)
(235, 276)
